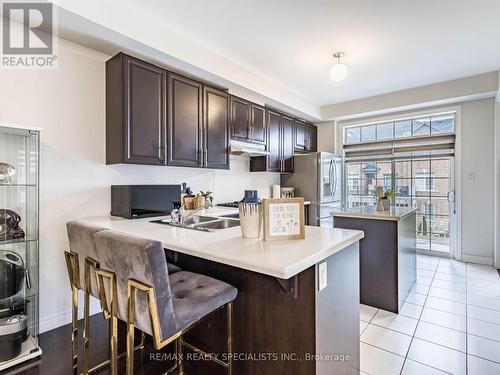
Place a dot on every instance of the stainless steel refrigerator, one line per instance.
(318, 178)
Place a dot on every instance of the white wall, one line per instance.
(478, 138)
(69, 104)
(497, 182)
(443, 93)
(326, 136)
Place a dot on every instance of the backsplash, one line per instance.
(226, 185)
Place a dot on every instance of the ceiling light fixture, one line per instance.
(338, 72)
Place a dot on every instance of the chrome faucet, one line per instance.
(179, 215)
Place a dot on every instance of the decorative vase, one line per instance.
(250, 209)
(386, 203)
(380, 205)
(250, 219)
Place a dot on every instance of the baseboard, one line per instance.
(65, 318)
(487, 261)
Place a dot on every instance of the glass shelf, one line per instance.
(17, 185)
(20, 149)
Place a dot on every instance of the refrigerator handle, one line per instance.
(330, 169)
(334, 176)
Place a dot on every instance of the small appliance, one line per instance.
(13, 331)
(136, 201)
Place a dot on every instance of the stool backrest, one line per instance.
(81, 241)
(131, 257)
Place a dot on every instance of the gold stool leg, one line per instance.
(110, 313)
(74, 274)
(229, 338)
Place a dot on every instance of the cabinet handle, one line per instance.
(206, 156)
(200, 159)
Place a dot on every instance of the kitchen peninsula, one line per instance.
(297, 310)
(387, 254)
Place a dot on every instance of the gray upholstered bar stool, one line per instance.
(81, 262)
(167, 305)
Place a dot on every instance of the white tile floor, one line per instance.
(450, 324)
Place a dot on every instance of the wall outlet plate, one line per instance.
(322, 276)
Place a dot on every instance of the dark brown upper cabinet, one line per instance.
(257, 124)
(280, 145)
(247, 121)
(300, 133)
(215, 128)
(274, 161)
(185, 120)
(135, 111)
(311, 138)
(305, 137)
(287, 142)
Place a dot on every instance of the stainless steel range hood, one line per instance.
(247, 149)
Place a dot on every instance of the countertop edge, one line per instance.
(359, 215)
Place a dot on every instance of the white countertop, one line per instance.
(370, 212)
(282, 259)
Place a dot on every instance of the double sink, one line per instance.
(204, 223)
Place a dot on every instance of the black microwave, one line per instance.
(136, 201)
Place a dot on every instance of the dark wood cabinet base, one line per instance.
(387, 259)
(280, 325)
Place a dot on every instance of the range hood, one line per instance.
(247, 149)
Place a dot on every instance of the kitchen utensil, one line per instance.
(13, 331)
(7, 173)
(12, 273)
(9, 225)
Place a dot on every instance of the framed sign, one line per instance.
(284, 219)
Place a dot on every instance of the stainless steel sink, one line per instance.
(219, 224)
(203, 223)
(195, 219)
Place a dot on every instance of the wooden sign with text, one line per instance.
(284, 219)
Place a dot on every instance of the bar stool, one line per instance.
(81, 263)
(141, 292)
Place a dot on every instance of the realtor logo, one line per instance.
(28, 35)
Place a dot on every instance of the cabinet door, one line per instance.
(184, 121)
(240, 118)
(257, 124)
(143, 112)
(311, 138)
(314, 138)
(300, 130)
(273, 141)
(215, 128)
(287, 144)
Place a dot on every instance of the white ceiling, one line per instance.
(390, 44)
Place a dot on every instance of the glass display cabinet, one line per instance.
(19, 241)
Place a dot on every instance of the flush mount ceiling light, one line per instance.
(338, 72)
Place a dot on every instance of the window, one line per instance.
(424, 182)
(421, 126)
(414, 157)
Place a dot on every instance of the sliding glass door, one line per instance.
(428, 184)
(415, 158)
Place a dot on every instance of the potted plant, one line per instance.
(384, 198)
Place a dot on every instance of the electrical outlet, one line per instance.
(323, 276)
